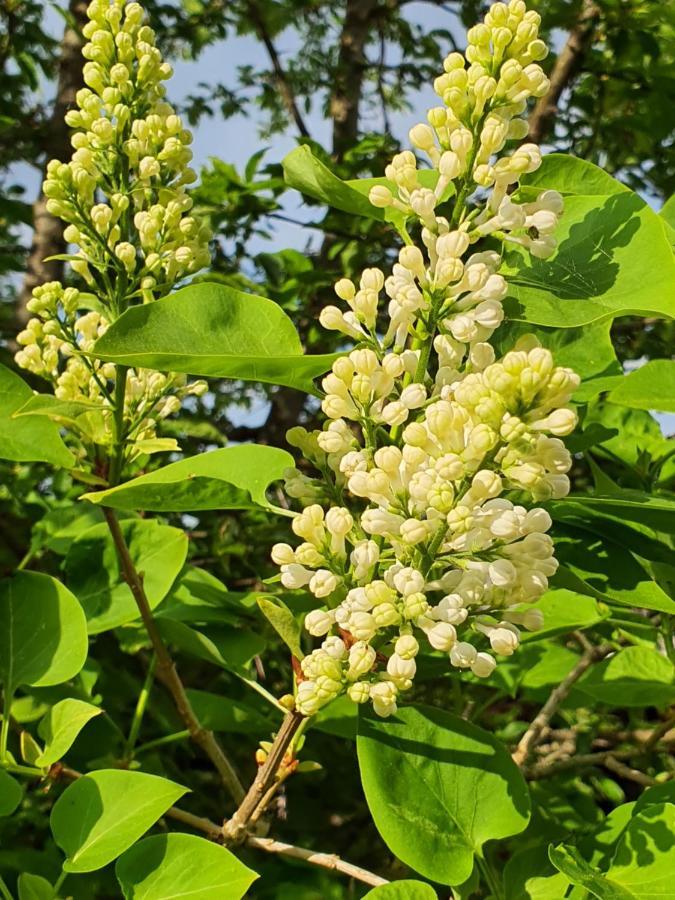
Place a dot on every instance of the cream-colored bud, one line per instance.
(380, 196)
(318, 622)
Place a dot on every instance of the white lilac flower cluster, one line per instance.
(123, 197)
(415, 531)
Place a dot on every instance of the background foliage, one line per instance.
(599, 780)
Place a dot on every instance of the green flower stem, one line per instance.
(119, 435)
(139, 712)
(162, 741)
(4, 890)
(4, 728)
(490, 877)
(17, 769)
(59, 881)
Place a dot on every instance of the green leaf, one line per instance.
(102, 814)
(402, 890)
(284, 623)
(339, 717)
(172, 866)
(644, 860)
(213, 330)
(61, 726)
(198, 596)
(654, 510)
(438, 788)
(10, 794)
(569, 861)
(307, 174)
(218, 713)
(652, 386)
(563, 612)
(304, 172)
(158, 552)
(594, 565)
(43, 632)
(613, 260)
(50, 406)
(229, 648)
(632, 677)
(231, 478)
(667, 212)
(34, 887)
(27, 439)
(570, 176)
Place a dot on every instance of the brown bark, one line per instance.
(283, 84)
(48, 231)
(350, 70)
(564, 70)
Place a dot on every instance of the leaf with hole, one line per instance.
(231, 478)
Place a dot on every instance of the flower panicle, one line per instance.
(123, 196)
(416, 535)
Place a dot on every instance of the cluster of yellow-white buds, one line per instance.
(57, 343)
(415, 533)
(123, 196)
(485, 93)
(123, 193)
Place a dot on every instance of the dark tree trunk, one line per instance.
(48, 231)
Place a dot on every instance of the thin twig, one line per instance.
(565, 68)
(628, 772)
(283, 83)
(235, 828)
(213, 831)
(547, 769)
(325, 860)
(166, 668)
(533, 734)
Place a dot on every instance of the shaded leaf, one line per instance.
(172, 866)
(10, 793)
(632, 677)
(102, 814)
(613, 259)
(27, 439)
(284, 623)
(569, 861)
(158, 553)
(438, 788)
(43, 633)
(652, 386)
